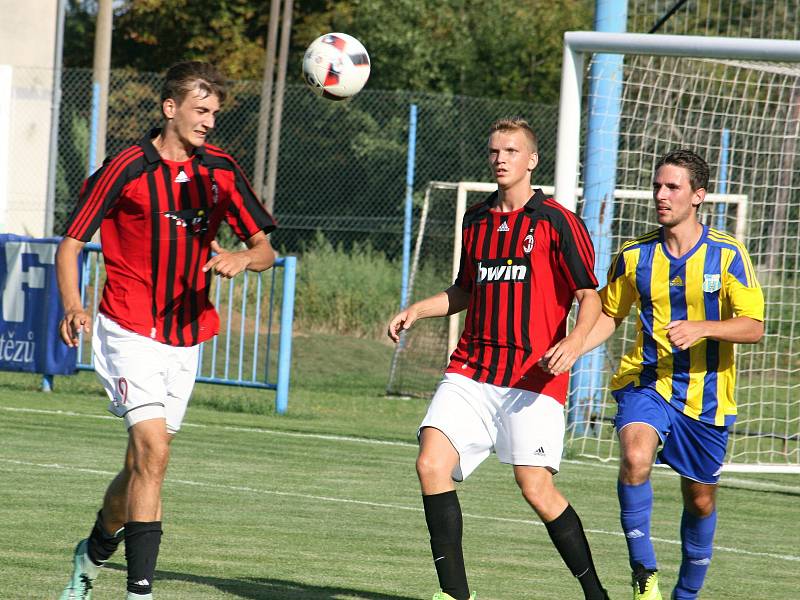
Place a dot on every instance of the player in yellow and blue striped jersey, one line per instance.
(697, 295)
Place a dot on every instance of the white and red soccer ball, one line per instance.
(336, 66)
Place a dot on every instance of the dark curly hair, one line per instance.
(697, 167)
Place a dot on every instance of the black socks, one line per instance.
(568, 537)
(101, 544)
(443, 516)
(142, 541)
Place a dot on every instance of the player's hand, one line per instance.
(560, 358)
(402, 321)
(71, 326)
(225, 263)
(684, 334)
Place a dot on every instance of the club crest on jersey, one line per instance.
(502, 269)
(711, 282)
(527, 244)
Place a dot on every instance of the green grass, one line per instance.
(323, 503)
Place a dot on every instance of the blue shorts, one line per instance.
(693, 449)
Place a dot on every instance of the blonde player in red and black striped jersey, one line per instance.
(697, 295)
(524, 259)
(158, 205)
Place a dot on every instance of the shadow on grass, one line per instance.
(269, 589)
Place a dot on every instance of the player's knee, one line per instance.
(635, 467)
(150, 460)
(701, 506)
(532, 495)
(536, 487)
(431, 467)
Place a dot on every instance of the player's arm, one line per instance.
(76, 319)
(453, 300)
(603, 328)
(561, 356)
(739, 330)
(259, 256)
(616, 298)
(746, 301)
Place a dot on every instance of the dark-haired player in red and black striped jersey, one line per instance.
(158, 205)
(524, 259)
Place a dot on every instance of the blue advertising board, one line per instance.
(30, 308)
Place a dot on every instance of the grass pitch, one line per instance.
(323, 503)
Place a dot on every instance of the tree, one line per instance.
(490, 49)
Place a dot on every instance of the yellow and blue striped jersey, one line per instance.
(714, 281)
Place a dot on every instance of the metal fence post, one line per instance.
(94, 129)
(412, 151)
(285, 343)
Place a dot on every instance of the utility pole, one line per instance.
(52, 161)
(266, 99)
(275, 134)
(100, 79)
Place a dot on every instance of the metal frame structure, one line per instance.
(261, 347)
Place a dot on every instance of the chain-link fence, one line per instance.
(342, 166)
(773, 19)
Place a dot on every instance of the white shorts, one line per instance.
(144, 379)
(521, 427)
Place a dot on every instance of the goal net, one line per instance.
(742, 113)
(423, 351)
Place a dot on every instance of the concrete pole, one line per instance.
(266, 99)
(52, 157)
(277, 113)
(101, 74)
(600, 170)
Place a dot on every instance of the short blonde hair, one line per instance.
(516, 124)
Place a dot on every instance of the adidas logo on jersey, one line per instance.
(676, 282)
(504, 269)
(182, 177)
(503, 226)
(540, 452)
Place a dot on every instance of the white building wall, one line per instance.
(27, 45)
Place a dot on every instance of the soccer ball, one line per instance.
(336, 66)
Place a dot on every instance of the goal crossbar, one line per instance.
(579, 43)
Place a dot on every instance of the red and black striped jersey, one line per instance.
(521, 270)
(157, 219)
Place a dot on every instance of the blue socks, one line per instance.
(697, 538)
(636, 507)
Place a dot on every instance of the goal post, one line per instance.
(737, 102)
